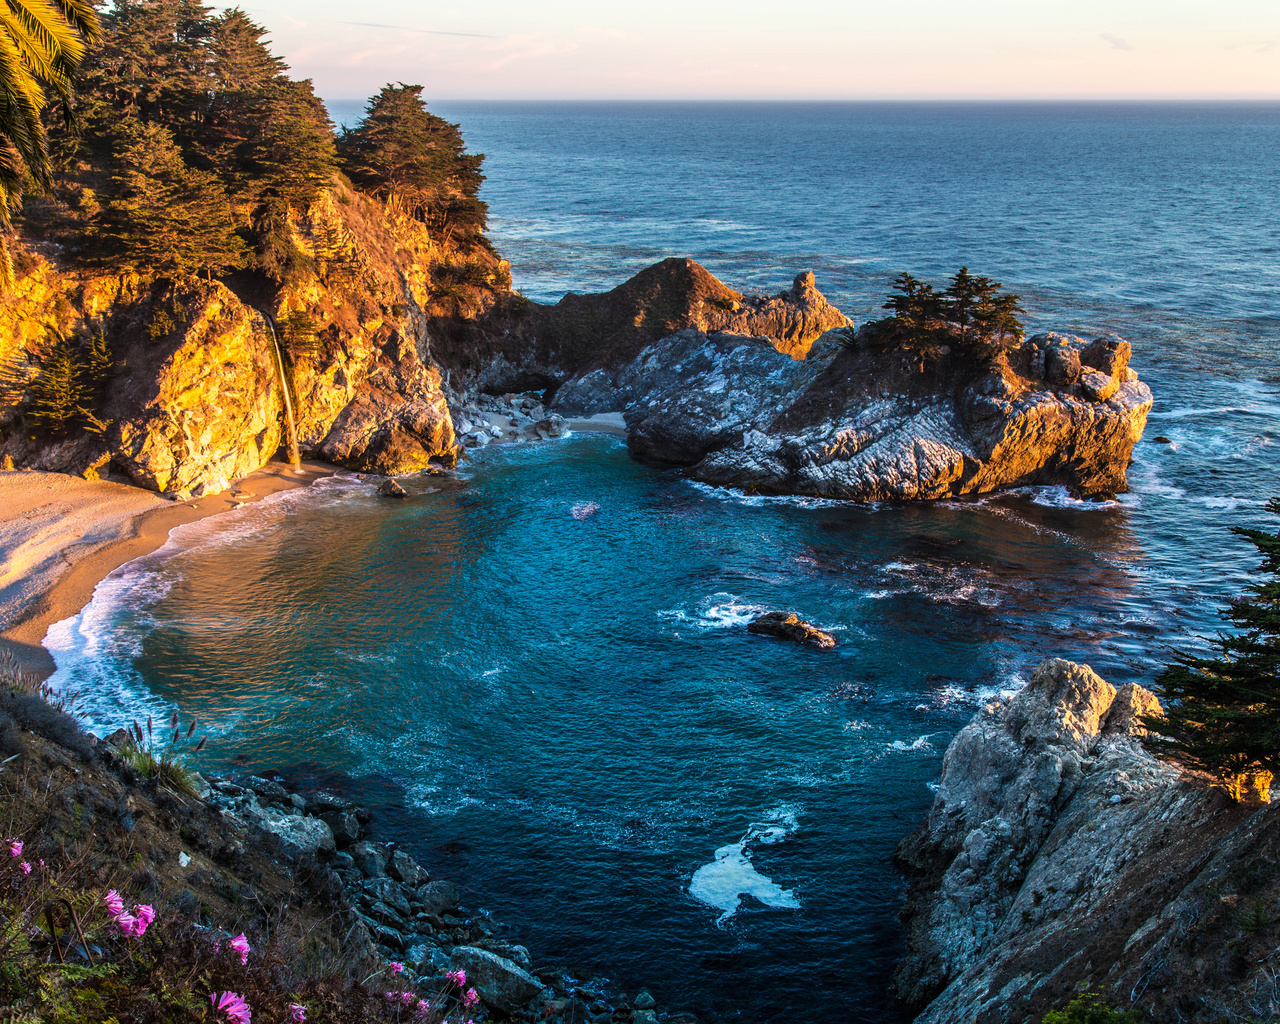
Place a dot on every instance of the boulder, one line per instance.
(388, 891)
(391, 489)
(438, 898)
(344, 825)
(369, 861)
(298, 834)
(404, 868)
(1109, 355)
(788, 626)
(501, 984)
(1098, 387)
(1061, 365)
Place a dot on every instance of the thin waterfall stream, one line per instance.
(295, 458)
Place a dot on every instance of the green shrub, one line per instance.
(1090, 1009)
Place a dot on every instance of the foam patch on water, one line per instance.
(919, 743)
(583, 509)
(723, 882)
(717, 611)
(740, 497)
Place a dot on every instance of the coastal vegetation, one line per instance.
(1222, 712)
(191, 152)
(970, 315)
(41, 47)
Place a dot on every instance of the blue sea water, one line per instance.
(538, 674)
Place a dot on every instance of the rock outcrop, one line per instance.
(789, 626)
(850, 421)
(524, 346)
(1059, 856)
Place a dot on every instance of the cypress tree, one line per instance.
(163, 217)
(59, 394)
(1222, 713)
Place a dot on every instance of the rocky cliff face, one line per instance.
(1059, 856)
(196, 400)
(522, 346)
(852, 422)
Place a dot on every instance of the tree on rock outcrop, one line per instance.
(411, 158)
(971, 315)
(1222, 713)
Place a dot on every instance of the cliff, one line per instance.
(194, 400)
(1060, 856)
(850, 421)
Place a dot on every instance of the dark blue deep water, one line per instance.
(565, 714)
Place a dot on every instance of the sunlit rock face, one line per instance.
(1060, 856)
(851, 422)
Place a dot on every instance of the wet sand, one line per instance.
(61, 535)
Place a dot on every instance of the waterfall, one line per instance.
(294, 458)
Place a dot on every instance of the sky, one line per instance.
(795, 49)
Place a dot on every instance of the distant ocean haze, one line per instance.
(539, 674)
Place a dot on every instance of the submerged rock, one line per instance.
(391, 489)
(787, 626)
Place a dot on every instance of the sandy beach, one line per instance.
(61, 535)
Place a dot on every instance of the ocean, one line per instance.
(538, 674)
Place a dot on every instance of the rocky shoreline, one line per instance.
(1060, 856)
(388, 908)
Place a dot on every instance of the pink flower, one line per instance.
(126, 923)
(458, 977)
(15, 848)
(241, 945)
(396, 967)
(233, 1005)
(297, 1013)
(145, 916)
(471, 998)
(113, 903)
(26, 868)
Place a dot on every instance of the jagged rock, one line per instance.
(788, 626)
(1061, 365)
(318, 803)
(388, 891)
(1060, 854)
(501, 984)
(404, 868)
(298, 834)
(1109, 355)
(368, 860)
(391, 489)
(861, 423)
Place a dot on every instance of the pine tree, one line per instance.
(163, 217)
(59, 395)
(983, 315)
(1222, 713)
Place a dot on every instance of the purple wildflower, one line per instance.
(471, 998)
(233, 1005)
(26, 868)
(113, 903)
(396, 967)
(241, 945)
(458, 977)
(297, 1013)
(15, 848)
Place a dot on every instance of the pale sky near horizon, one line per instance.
(804, 49)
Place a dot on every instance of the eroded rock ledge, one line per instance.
(1059, 855)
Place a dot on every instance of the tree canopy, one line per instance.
(406, 155)
(41, 47)
(970, 314)
(1222, 712)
